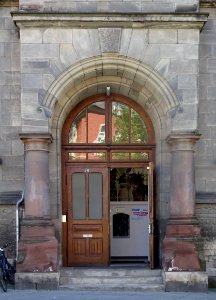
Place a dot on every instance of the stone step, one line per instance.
(108, 272)
(111, 279)
(114, 287)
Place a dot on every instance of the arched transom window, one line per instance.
(109, 122)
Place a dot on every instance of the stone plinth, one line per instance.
(37, 281)
(38, 247)
(186, 281)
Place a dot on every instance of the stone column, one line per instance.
(37, 196)
(179, 247)
(38, 247)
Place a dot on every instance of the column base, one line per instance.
(186, 281)
(38, 247)
(37, 281)
(179, 249)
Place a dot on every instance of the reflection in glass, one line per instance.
(121, 225)
(95, 196)
(72, 156)
(96, 123)
(78, 196)
(138, 129)
(120, 123)
(77, 156)
(139, 155)
(120, 155)
(129, 184)
(77, 133)
(89, 126)
(97, 155)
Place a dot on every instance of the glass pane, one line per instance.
(95, 196)
(120, 155)
(120, 123)
(139, 155)
(97, 156)
(77, 133)
(76, 156)
(129, 184)
(121, 225)
(138, 129)
(96, 123)
(78, 195)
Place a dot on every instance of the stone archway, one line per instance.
(145, 86)
(125, 76)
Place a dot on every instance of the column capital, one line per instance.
(183, 141)
(36, 141)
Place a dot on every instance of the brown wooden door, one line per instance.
(88, 229)
(151, 217)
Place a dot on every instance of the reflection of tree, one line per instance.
(129, 127)
(121, 123)
(138, 129)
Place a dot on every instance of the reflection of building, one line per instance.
(89, 125)
(159, 61)
(101, 134)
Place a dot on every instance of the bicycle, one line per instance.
(7, 271)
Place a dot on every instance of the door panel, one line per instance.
(88, 234)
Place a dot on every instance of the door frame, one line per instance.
(150, 148)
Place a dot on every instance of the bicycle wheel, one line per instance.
(10, 273)
(3, 281)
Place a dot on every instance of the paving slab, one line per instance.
(101, 295)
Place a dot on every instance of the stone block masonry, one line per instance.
(11, 149)
(111, 5)
(8, 228)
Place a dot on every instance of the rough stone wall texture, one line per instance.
(205, 154)
(8, 228)
(111, 5)
(206, 215)
(11, 149)
(205, 162)
(205, 157)
(48, 52)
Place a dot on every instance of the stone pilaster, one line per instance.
(38, 247)
(181, 264)
(179, 247)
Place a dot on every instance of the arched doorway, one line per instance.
(108, 153)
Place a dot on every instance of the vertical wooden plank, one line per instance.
(151, 216)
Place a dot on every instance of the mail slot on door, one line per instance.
(87, 235)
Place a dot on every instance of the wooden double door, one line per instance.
(87, 231)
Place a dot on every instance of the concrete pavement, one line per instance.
(94, 295)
